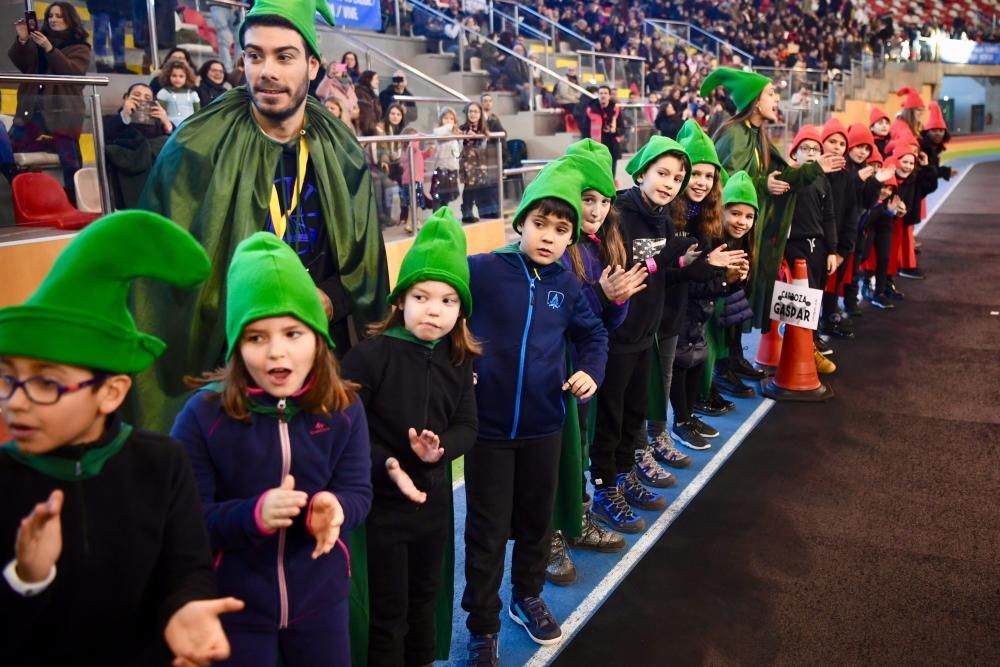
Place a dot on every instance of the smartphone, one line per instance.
(31, 19)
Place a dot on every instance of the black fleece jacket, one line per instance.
(135, 550)
(644, 226)
(814, 215)
(405, 384)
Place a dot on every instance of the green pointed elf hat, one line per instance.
(740, 190)
(79, 314)
(438, 253)
(300, 13)
(656, 147)
(595, 176)
(744, 87)
(559, 179)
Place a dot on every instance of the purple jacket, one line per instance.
(235, 464)
(611, 314)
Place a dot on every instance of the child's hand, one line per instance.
(326, 516)
(427, 445)
(897, 205)
(866, 173)
(831, 264)
(722, 258)
(580, 385)
(831, 163)
(195, 635)
(39, 540)
(404, 482)
(692, 254)
(884, 174)
(282, 504)
(775, 185)
(620, 285)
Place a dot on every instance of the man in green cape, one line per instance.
(262, 157)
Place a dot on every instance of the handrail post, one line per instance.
(499, 141)
(154, 50)
(399, 30)
(102, 169)
(461, 49)
(412, 213)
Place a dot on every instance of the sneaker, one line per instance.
(483, 651)
(690, 438)
(837, 325)
(728, 383)
(707, 408)
(560, 571)
(650, 472)
(597, 538)
(637, 495)
(892, 291)
(664, 451)
(882, 302)
(823, 365)
(611, 509)
(743, 368)
(534, 616)
(704, 429)
(912, 274)
(823, 347)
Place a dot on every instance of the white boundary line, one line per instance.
(39, 239)
(952, 186)
(612, 579)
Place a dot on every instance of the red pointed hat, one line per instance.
(877, 115)
(876, 156)
(936, 120)
(859, 135)
(806, 133)
(900, 131)
(832, 127)
(911, 98)
(903, 148)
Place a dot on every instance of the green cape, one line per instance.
(739, 150)
(214, 178)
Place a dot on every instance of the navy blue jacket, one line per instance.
(235, 464)
(523, 317)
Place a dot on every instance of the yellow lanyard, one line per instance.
(279, 218)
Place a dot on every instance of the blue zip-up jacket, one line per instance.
(524, 317)
(235, 464)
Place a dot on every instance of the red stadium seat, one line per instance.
(40, 201)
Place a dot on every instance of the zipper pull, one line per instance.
(79, 468)
(532, 291)
(281, 409)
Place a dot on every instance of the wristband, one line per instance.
(681, 261)
(651, 265)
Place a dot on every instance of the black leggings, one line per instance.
(684, 390)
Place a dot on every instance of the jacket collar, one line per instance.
(71, 463)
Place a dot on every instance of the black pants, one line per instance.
(479, 196)
(684, 390)
(405, 550)
(621, 411)
(812, 250)
(510, 488)
(883, 247)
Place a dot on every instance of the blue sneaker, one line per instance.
(611, 509)
(637, 495)
(484, 651)
(534, 616)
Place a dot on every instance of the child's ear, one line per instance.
(112, 393)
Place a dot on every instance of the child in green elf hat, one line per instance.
(114, 507)
(279, 446)
(415, 377)
(531, 306)
(661, 170)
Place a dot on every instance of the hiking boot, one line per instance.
(664, 451)
(690, 438)
(560, 570)
(704, 429)
(743, 368)
(882, 302)
(611, 509)
(912, 274)
(650, 472)
(534, 616)
(637, 495)
(483, 651)
(728, 383)
(596, 538)
(823, 365)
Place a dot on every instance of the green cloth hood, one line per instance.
(300, 13)
(79, 315)
(744, 87)
(267, 279)
(595, 168)
(559, 179)
(438, 253)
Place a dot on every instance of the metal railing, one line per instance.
(660, 27)
(613, 58)
(720, 43)
(533, 66)
(412, 139)
(533, 33)
(554, 26)
(95, 117)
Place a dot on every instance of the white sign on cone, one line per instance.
(796, 304)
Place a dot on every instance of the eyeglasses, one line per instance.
(42, 390)
(810, 150)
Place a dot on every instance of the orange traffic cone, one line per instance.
(797, 379)
(769, 350)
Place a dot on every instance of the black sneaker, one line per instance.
(892, 291)
(882, 302)
(912, 274)
(534, 616)
(708, 409)
(743, 368)
(636, 494)
(836, 325)
(704, 429)
(690, 438)
(823, 347)
(483, 651)
(728, 383)
(611, 509)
